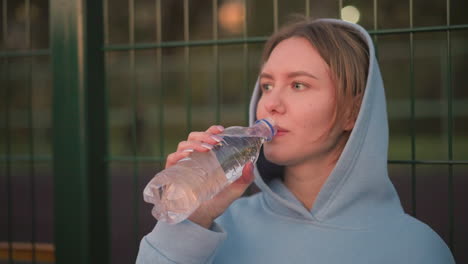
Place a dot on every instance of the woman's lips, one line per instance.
(281, 132)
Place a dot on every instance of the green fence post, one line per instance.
(97, 134)
(79, 127)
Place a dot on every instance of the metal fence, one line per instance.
(95, 94)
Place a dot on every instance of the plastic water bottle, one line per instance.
(178, 191)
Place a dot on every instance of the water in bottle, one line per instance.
(178, 191)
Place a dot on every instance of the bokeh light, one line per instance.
(231, 16)
(350, 13)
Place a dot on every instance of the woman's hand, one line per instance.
(211, 209)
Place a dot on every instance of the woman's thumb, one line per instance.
(235, 190)
(238, 187)
(247, 174)
(246, 179)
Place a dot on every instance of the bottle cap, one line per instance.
(271, 124)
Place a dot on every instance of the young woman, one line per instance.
(326, 196)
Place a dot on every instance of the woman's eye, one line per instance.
(267, 87)
(299, 86)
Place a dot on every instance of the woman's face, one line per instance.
(299, 94)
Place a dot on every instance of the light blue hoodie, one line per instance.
(356, 218)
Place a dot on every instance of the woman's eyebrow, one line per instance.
(301, 73)
(266, 75)
(289, 75)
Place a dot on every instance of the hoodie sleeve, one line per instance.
(185, 242)
(433, 250)
(419, 244)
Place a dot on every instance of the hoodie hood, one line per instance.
(358, 192)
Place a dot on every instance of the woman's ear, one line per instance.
(351, 115)
(349, 125)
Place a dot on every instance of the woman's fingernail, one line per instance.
(220, 128)
(187, 150)
(208, 146)
(216, 138)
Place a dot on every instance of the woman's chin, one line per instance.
(276, 159)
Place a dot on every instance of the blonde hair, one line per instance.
(345, 51)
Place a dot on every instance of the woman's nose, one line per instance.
(274, 104)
